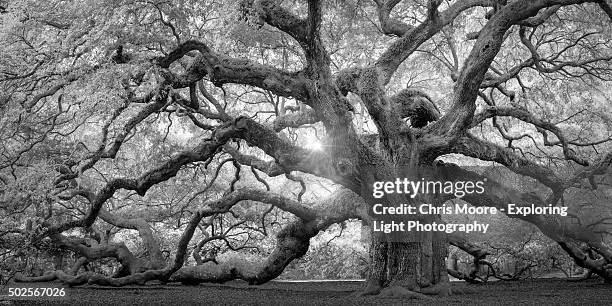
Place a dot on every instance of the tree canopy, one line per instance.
(182, 128)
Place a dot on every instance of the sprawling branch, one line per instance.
(144, 230)
(528, 117)
(483, 150)
(270, 168)
(553, 64)
(489, 42)
(222, 69)
(599, 167)
(306, 214)
(566, 231)
(287, 155)
(369, 82)
(466, 246)
(292, 242)
(495, 81)
(165, 171)
(295, 119)
(541, 17)
(92, 251)
(401, 49)
(159, 97)
(275, 15)
(51, 91)
(388, 25)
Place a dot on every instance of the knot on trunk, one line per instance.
(346, 80)
(415, 105)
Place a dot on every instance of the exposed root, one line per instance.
(401, 292)
(586, 276)
(372, 287)
(440, 289)
(93, 278)
(68, 279)
(462, 276)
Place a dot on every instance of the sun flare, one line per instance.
(311, 142)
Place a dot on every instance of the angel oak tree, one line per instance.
(408, 264)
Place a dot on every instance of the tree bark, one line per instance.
(418, 265)
(409, 262)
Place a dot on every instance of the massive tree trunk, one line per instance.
(418, 265)
(404, 263)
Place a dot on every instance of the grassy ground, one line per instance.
(542, 291)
